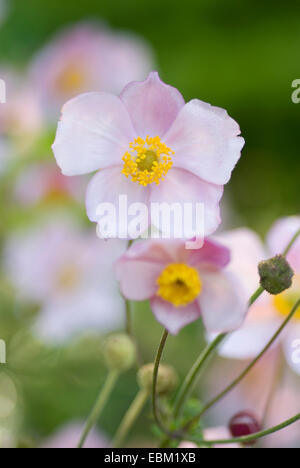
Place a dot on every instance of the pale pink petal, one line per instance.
(279, 237)
(138, 269)
(249, 340)
(110, 186)
(88, 310)
(247, 250)
(182, 187)
(160, 251)
(174, 318)
(138, 278)
(94, 132)
(211, 253)
(152, 105)
(206, 142)
(222, 302)
(220, 433)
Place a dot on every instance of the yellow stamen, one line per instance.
(179, 284)
(68, 278)
(147, 161)
(285, 301)
(71, 79)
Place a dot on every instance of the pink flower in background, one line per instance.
(43, 182)
(268, 391)
(183, 285)
(88, 57)
(21, 116)
(69, 435)
(69, 272)
(268, 312)
(149, 145)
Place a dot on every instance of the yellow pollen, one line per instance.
(71, 80)
(285, 301)
(179, 284)
(68, 278)
(147, 161)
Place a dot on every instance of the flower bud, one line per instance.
(244, 424)
(166, 380)
(119, 352)
(275, 274)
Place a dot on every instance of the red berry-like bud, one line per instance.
(244, 424)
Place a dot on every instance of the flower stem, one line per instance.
(246, 371)
(194, 374)
(128, 318)
(291, 243)
(130, 417)
(154, 383)
(255, 296)
(99, 405)
(257, 435)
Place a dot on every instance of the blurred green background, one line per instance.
(242, 56)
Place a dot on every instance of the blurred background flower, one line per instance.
(239, 56)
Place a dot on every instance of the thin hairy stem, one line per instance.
(99, 405)
(256, 436)
(194, 374)
(246, 371)
(130, 417)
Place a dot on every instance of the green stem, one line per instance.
(99, 405)
(154, 383)
(291, 243)
(128, 318)
(131, 415)
(246, 371)
(255, 296)
(257, 435)
(194, 374)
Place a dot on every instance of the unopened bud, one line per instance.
(275, 274)
(166, 379)
(244, 424)
(119, 352)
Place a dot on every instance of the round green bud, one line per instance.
(166, 380)
(275, 274)
(119, 352)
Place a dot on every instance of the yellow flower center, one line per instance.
(71, 80)
(285, 301)
(179, 284)
(68, 278)
(147, 161)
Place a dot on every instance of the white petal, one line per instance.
(94, 132)
(206, 142)
(222, 301)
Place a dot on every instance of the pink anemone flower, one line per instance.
(85, 57)
(182, 284)
(68, 272)
(43, 182)
(268, 312)
(151, 146)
